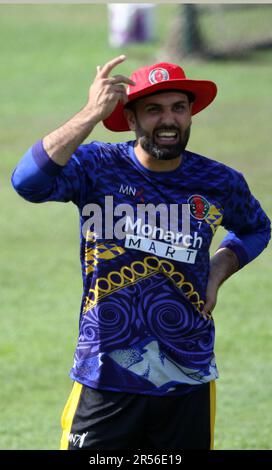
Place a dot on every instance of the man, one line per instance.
(144, 370)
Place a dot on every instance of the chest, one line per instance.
(173, 211)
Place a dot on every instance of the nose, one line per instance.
(168, 117)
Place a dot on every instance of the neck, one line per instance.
(150, 163)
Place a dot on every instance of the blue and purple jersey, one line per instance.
(141, 328)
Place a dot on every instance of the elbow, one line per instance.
(266, 232)
(268, 236)
(25, 187)
(29, 181)
(17, 182)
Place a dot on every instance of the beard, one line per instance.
(167, 151)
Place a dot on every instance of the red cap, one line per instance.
(162, 76)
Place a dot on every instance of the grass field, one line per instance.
(48, 59)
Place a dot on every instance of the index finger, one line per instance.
(109, 66)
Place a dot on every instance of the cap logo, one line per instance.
(158, 75)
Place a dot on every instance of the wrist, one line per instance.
(89, 116)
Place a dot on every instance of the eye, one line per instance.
(153, 109)
(179, 107)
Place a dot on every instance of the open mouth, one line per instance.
(166, 137)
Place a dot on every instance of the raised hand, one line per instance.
(106, 91)
(104, 94)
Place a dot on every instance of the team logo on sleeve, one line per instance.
(158, 75)
(199, 207)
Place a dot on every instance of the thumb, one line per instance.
(207, 309)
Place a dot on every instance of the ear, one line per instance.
(130, 117)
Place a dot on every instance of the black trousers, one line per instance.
(100, 419)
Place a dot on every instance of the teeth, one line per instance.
(167, 134)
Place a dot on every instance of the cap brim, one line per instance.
(204, 91)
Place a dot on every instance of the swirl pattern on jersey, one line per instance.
(140, 312)
(180, 330)
(111, 325)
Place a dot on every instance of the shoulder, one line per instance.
(101, 150)
(96, 153)
(210, 163)
(214, 171)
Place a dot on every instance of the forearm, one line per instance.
(62, 143)
(104, 94)
(48, 170)
(222, 265)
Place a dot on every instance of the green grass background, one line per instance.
(48, 59)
